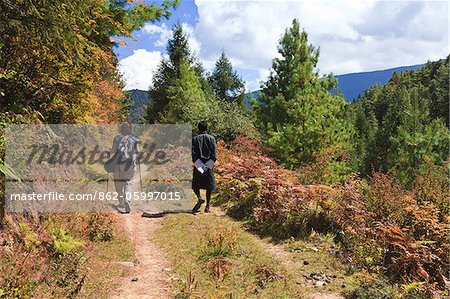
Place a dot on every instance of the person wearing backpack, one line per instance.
(203, 156)
(125, 148)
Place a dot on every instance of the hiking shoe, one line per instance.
(207, 209)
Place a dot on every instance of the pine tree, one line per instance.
(438, 88)
(181, 93)
(414, 140)
(226, 82)
(297, 112)
(187, 103)
(169, 70)
(400, 126)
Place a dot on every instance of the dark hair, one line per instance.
(202, 126)
(125, 129)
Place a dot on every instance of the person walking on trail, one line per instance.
(203, 156)
(125, 144)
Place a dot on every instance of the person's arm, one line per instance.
(195, 154)
(136, 152)
(114, 146)
(214, 150)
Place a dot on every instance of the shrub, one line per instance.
(63, 243)
(382, 227)
(29, 237)
(253, 187)
(100, 227)
(221, 243)
(331, 166)
(390, 229)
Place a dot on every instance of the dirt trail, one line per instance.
(151, 269)
(150, 275)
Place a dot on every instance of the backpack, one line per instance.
(127, 148)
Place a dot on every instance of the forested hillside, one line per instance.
(353, 85)
(403, 126)
(138, 101)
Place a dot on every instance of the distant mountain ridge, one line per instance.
(354, 84)
(350, 85)
(139, 99)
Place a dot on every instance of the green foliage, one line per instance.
(180, 93)
(383, 289)
(228, 120)
(226, 82)
(52, 52)
(374, 289)
(29, 237)
(63, 243)
(297, 113)
(170, 71)
(411, 150)
(14, 286)
(401, 126)
(187, 102)
(331, 167)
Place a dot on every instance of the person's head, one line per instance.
(125, 129)
(202, 126)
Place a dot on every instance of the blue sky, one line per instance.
(353, 36)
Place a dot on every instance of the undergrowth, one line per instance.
(48, 255)
(397, 234)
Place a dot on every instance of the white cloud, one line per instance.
(255, 84)
(353, 35)
(137, 69)
(163, 32)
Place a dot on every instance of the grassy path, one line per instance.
(213, 256)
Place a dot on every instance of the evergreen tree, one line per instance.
(169, 70)
(401, 126)
(413, 139)
(226, 82)
(435, 75)
(186, 99)
(296, 111)
(181, 93)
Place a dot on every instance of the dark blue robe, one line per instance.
(204, 148)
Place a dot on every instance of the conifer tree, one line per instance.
(297, 112)
(169, 70)
(187, 103)
(400, 126)
(226, 82)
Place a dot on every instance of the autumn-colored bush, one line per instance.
(397, 231)
(254, 187)
(46, 255)
(383, 228)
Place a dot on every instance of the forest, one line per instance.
(300, 162)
